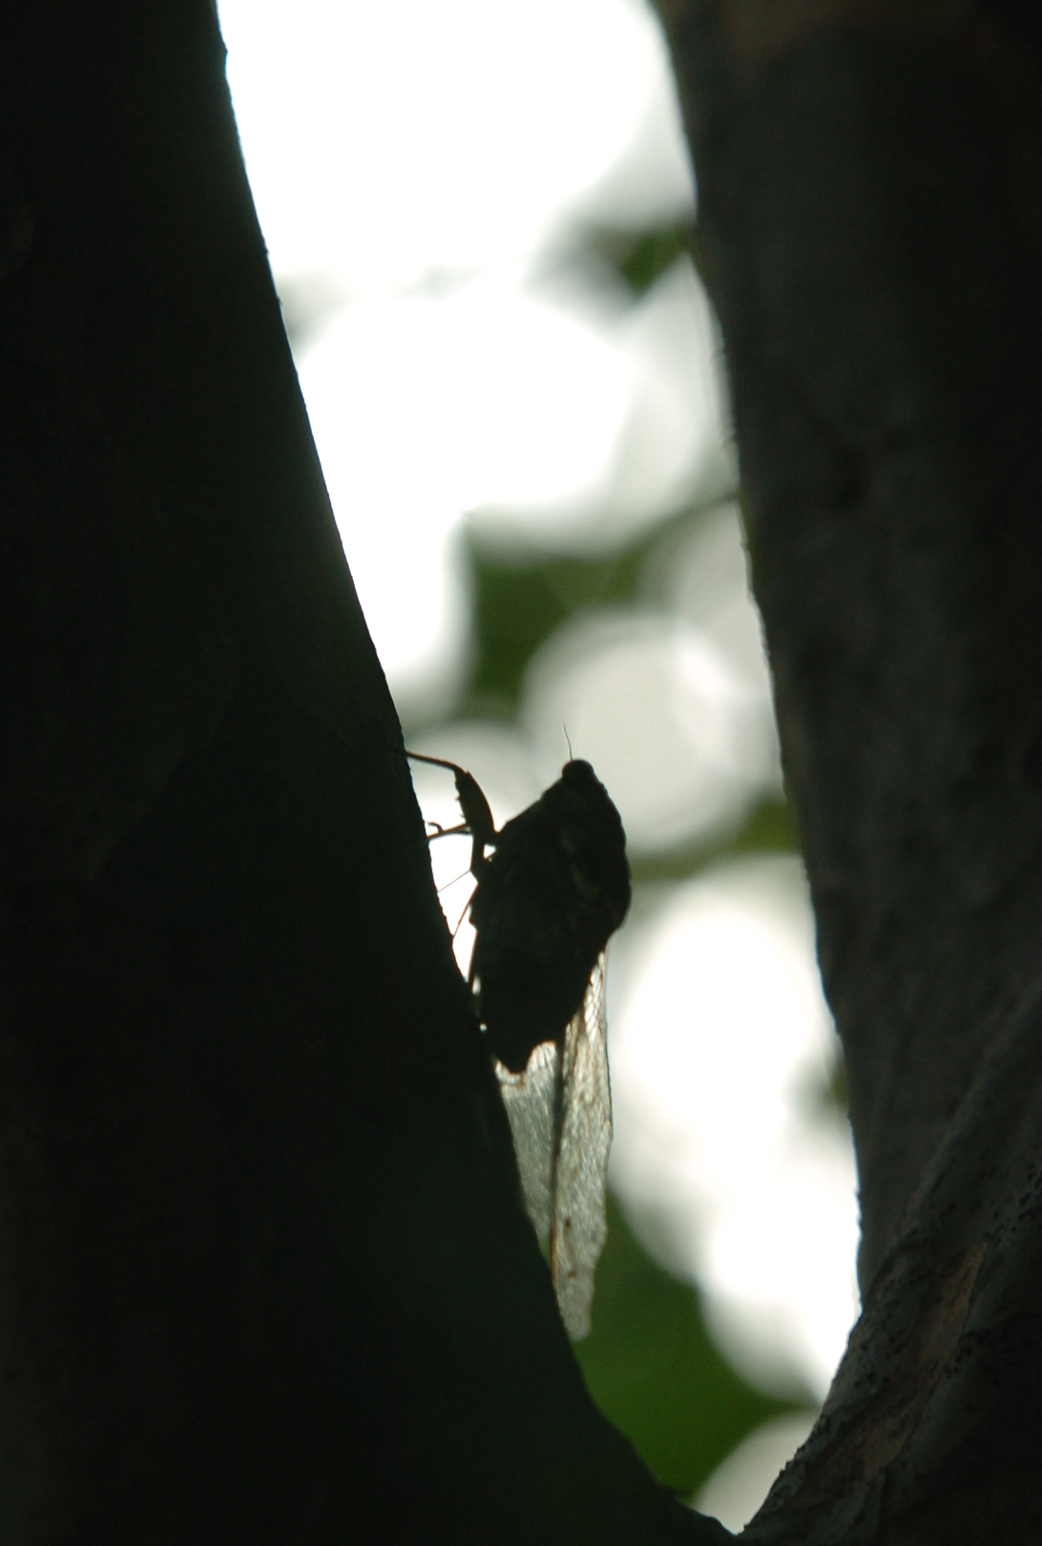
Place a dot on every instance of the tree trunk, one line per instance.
(265, 1275)
(870, 226)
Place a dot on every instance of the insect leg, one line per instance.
(440, 831)
(459, 924)
(477, 815)
(435, 762)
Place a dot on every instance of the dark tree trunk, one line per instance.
(265, 1272)
(870, 225)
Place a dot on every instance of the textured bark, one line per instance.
(870, 225)
(265, 1275)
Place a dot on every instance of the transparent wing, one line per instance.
(578, 1226)
(532, 1100)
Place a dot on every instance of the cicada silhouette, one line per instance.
(554, 888)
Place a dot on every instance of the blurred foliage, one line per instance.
(651, 1368)
(768, 828)
(520, 600)
(838, 1091)
(651, 255)
(519, 604)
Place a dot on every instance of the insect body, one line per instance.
(554, 888)
(546, 901)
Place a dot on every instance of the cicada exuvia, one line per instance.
(553, 889)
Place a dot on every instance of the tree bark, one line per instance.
(265, 1273)
(870, 223)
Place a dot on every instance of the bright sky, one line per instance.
(424, 176)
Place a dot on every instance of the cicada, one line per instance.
(554, 888)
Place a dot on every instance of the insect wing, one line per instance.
(578, 1223)
(532, 1100)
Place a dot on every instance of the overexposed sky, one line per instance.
(393, 146)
